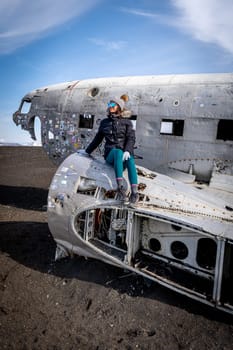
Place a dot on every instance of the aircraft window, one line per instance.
(134, 121)
(225, 128)
(207, 261)
(179, 250)
(25, 107)
(86, 121)
(176, 227)
(93, 92)
(50, 135)
(86, 184)
(172, 127)
(166, 127)
(154, 244)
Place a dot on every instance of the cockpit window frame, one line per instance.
(25, 106)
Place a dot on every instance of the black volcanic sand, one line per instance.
(78, 303)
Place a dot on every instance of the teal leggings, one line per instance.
(115, 158)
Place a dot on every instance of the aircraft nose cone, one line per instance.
(16, 117)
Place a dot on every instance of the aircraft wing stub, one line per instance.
(164, 238)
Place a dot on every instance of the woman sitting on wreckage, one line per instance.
(117, 130)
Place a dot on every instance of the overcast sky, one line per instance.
(45, 42)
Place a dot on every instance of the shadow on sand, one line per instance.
(29, 198)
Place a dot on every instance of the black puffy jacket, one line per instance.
(118, 133)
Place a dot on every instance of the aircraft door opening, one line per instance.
(37, 129)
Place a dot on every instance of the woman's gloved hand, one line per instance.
(126, 156)
(83, 152)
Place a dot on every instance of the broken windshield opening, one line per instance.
(25, 107)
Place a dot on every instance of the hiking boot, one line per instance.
(121, 194)
(134, 198)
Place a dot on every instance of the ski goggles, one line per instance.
(111, 104)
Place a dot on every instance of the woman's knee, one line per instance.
(130, 161)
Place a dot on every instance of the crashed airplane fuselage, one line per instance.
(181, 232)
